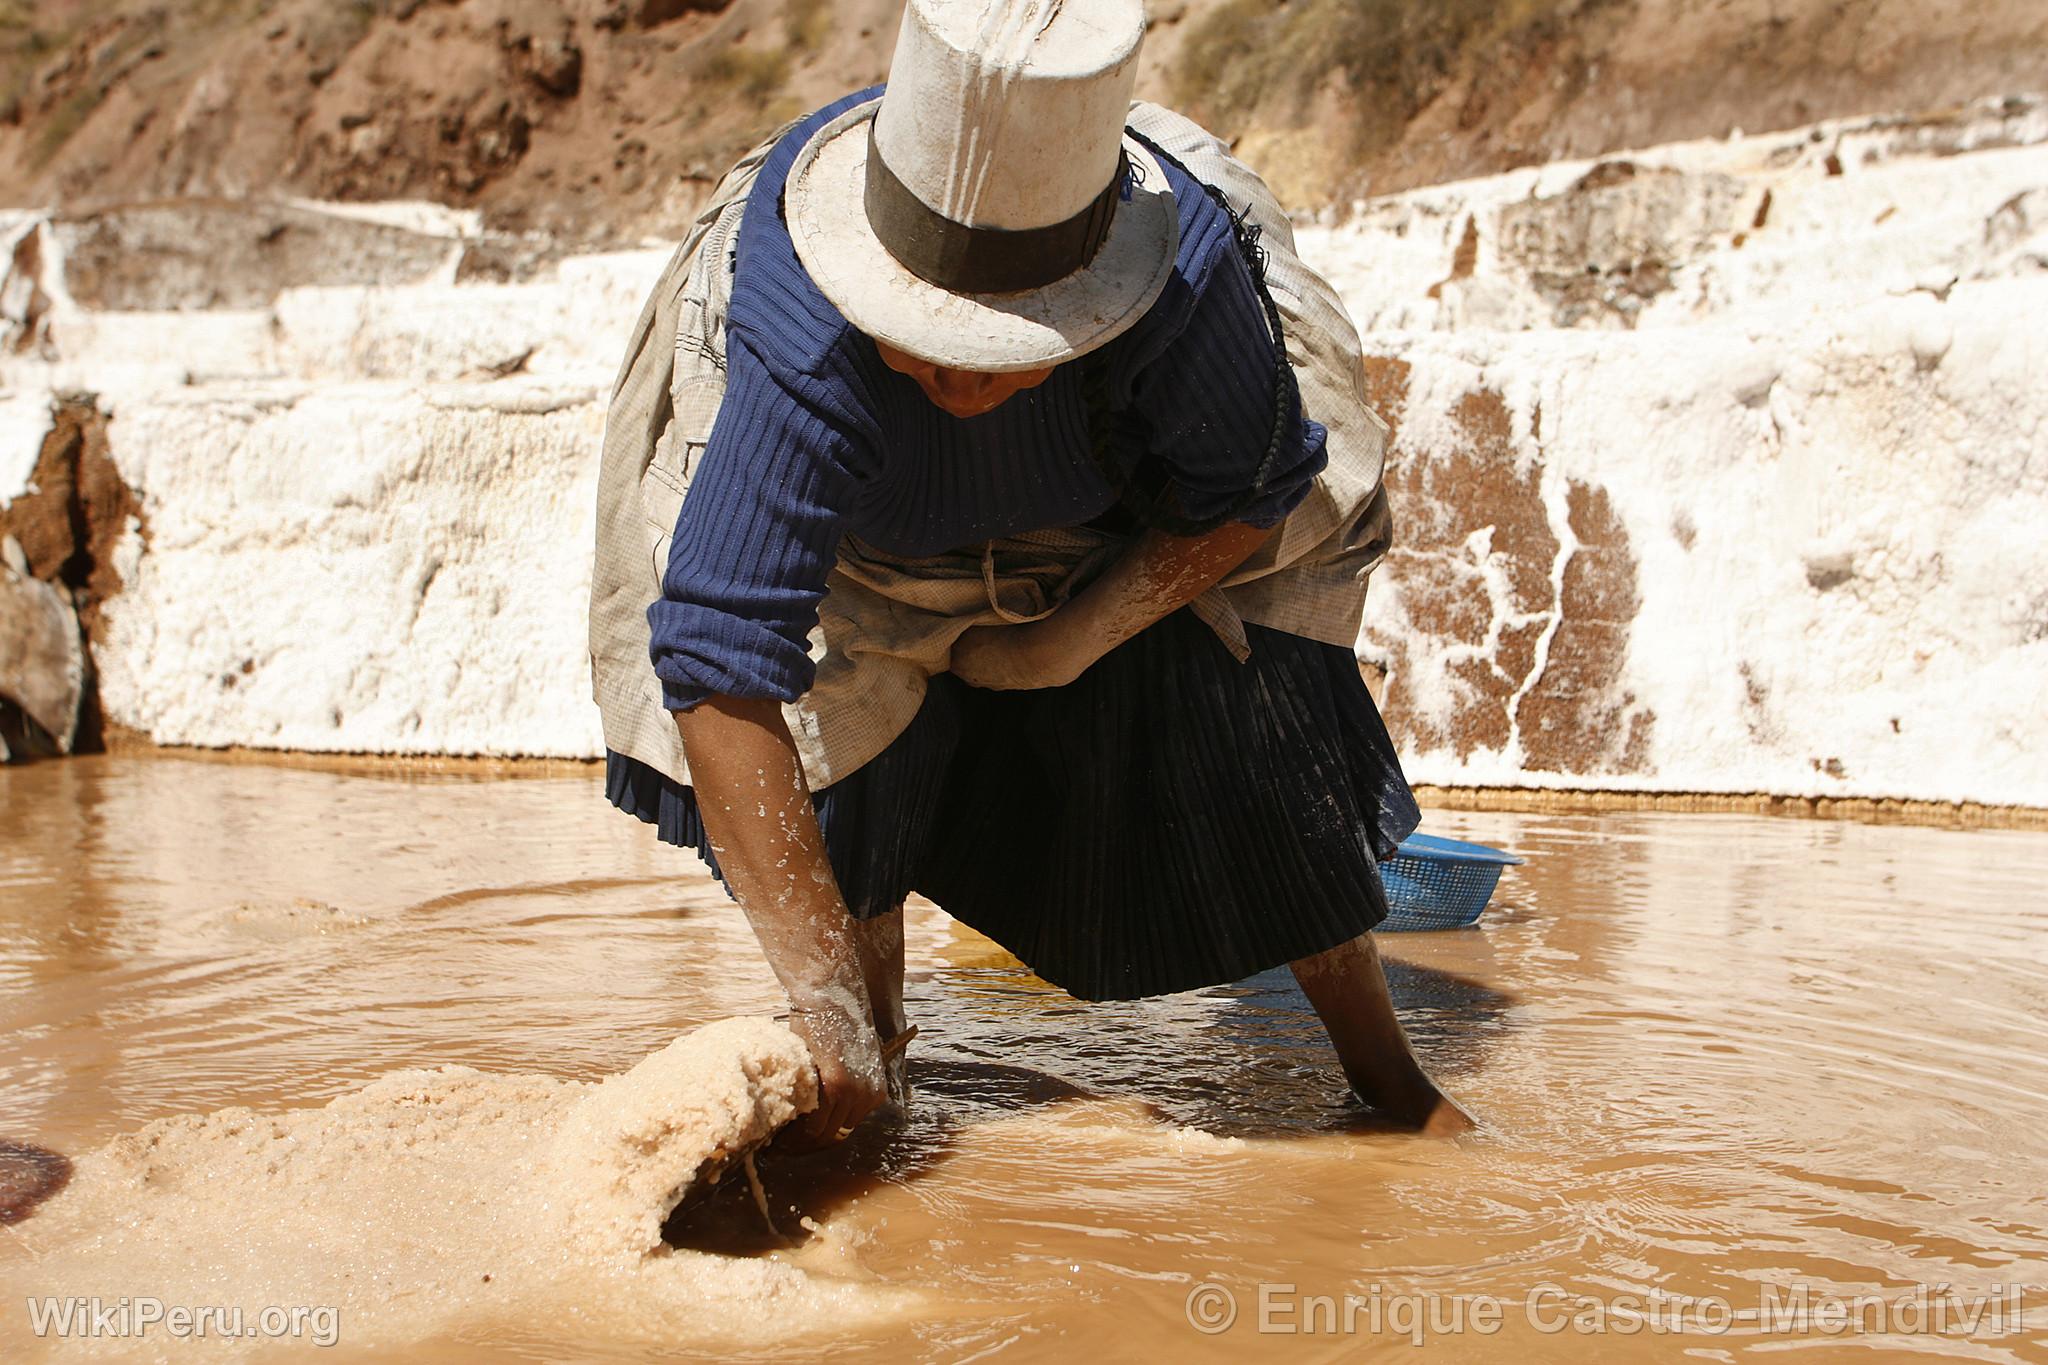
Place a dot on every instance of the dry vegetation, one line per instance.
(1249, 63)
(1248, 57)
(1338, 97)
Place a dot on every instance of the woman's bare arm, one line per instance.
(1157, 575)
(757, 810)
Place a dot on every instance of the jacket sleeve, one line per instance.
(758, 533)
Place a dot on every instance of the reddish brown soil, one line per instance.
(606, 120)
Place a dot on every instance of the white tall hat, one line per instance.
(980, 214)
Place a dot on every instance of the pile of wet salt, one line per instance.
(452, 1200)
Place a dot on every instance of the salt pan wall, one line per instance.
(1718, 467)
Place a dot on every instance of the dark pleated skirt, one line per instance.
(1171, 819)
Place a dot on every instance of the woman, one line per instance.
(1010, 569)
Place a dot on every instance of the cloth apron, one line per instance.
(887, 623)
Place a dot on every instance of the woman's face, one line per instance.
(963, 393)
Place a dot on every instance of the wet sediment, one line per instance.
(28, 1175)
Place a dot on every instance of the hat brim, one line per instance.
(824, 203)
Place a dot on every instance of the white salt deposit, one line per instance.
(1801, 371)
(1799, 367)
(413, 215)
(395, 568)
(24, 422)
(429, 1202)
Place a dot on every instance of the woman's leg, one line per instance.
(1349, 991)
(881, 961)
(880, 941)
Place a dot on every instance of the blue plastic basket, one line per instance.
(1437, 883)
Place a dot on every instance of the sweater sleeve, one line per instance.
(758, 533)
(1208, 399)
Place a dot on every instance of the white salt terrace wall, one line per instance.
(1719, 467)
(1722, 466)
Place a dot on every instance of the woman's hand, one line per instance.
(1158, 574)
(848, 1056)
(1013, 658)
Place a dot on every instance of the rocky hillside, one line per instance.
(590, 122)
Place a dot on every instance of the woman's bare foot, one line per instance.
(1349, 992)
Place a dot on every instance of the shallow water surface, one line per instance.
(1711, 1054)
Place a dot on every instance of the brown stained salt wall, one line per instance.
(1577, 718)
(1565, 705)
(78, 510)
(71, 522)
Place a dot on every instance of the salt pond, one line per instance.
(1711, 1053)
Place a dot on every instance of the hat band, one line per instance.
(983, 260)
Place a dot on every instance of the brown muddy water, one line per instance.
(1721, 1062)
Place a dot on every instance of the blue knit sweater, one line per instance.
(817, 438)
